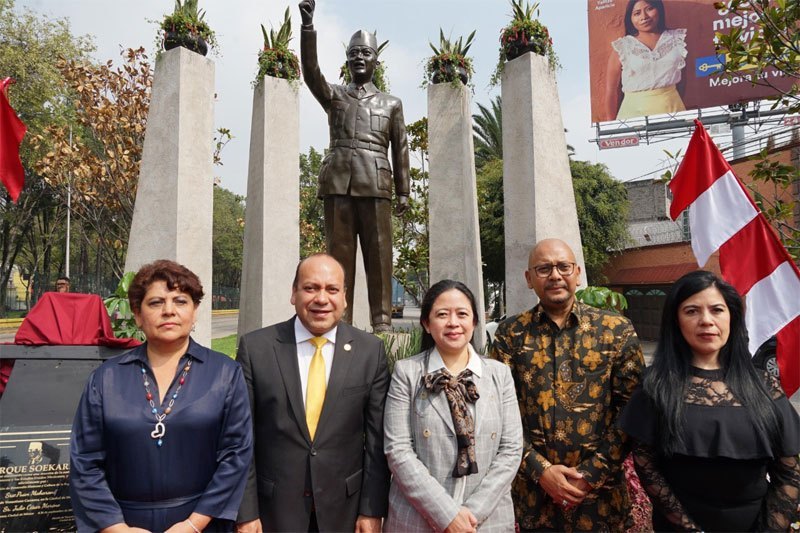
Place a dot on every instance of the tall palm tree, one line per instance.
(488, 130)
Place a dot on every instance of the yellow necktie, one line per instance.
(315, 388)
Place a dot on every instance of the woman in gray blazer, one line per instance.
(452, 429)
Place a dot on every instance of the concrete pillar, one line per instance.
(172, 218)
(272, 217)
(539, 202)
(455, 245)
(361, 311)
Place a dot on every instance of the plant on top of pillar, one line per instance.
(525, 33)
(275, 59)
(449, 62)
(185, 27)
(378, 77)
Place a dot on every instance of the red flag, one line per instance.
(12, 130)
(723, 217)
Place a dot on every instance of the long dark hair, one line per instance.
(434, 292)
(665, 382)
(662, 16)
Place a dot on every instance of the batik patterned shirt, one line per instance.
(572, 383)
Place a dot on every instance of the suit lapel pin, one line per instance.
(347, 347)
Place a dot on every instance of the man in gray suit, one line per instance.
(317, 390)
(355, 179)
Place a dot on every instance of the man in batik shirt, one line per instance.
(575, 367)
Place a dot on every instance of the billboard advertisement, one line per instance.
(648, 57)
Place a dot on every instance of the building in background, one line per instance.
(660, 251)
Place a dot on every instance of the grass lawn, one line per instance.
(226, 345)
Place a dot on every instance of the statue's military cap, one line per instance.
(364, 38)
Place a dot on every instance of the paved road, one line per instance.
(224, 325)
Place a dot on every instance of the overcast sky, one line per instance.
(408, 25)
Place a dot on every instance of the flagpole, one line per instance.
(69, 209)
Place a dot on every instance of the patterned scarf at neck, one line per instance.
(458, 390)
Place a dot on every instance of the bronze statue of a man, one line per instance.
(355, 179)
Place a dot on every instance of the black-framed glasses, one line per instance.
(564, 268)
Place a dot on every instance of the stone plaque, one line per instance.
(34, 473)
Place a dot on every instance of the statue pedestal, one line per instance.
(173, 214)
(272, 217)
(455, 245)
(537, 183)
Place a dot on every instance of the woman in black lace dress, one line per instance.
(716, 442)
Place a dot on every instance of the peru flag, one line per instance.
(723, 217)
(12, 130)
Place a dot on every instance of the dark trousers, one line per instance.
(369, 219)
(312, 523)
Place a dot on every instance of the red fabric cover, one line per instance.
(6, 365)
(70, 319)
(12, 130)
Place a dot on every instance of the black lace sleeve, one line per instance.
(664, 500)
(783, 498)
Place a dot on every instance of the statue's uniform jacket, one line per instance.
(362, 127)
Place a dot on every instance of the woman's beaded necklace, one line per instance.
(160, 428)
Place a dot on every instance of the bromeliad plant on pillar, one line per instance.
(449, 62)
(275, 59)
(185, 27)
(525, 33)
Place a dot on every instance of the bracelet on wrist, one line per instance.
(194, 527)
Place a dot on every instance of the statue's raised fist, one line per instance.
(307, 11)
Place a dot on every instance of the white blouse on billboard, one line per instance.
(644, 69)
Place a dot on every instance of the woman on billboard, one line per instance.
(646, 69)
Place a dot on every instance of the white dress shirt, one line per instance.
(305, 352)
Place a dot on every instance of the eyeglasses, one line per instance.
(543, 271)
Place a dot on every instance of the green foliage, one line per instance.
(780, 206)
(491, 221)
(401, 345)
(447, 58)
(275, 59)
(228, 238)
(312, 213)
(119, 310)
(221, 138)
(487, 127)
(774, 43)
(411, 245)
(31, 230)
(226, 345)
(98, 157)
(523, 31)
(602, 204)
(602, 297)
(673, 162)
(187, 19)
(379, 77)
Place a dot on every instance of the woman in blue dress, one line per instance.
(162, 439)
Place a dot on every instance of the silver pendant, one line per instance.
(160, 428)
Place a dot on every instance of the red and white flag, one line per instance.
(723, 217)
(12, 130)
